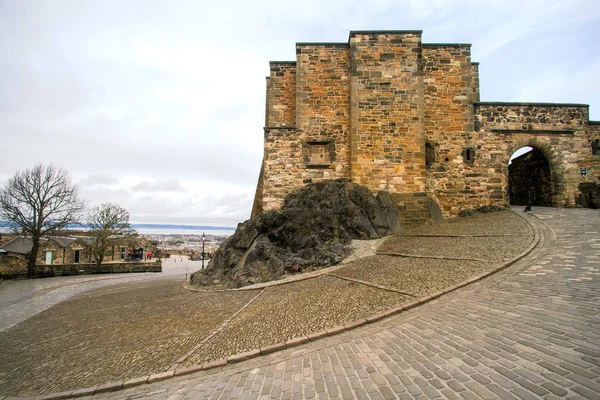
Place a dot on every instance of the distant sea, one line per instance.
(165, 229)
(162, 229)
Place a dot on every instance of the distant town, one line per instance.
(185, 243)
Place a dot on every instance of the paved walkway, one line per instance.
(531, 331)
(22, 299)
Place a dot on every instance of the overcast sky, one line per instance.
(158, 106)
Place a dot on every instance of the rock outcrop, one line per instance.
(312, 230)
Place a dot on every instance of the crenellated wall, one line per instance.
(395, 114)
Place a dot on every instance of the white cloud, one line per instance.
(98, 180)
(170, 185)
(172, 93)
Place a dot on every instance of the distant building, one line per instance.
(68, 250)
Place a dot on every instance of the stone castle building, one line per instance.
(392, 113)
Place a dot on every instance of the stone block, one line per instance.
(317, 335)
(335, 330)
(215, 364)
(55, 396)
(189, 370)
(89, 391)
(160, 376)
(376, 317)
(243, 356)
(109, 387)
(135, 382)
(297, 341)
(355, 324)
(272, 348)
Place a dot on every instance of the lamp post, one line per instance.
(203, 239)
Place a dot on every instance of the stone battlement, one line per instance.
(392, 113)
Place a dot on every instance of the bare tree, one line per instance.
(40, 201)
(108, 221)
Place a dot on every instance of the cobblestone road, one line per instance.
(531, 331)
(23, 299)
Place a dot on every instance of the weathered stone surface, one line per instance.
(311, 231)
(590, 195)
(395, 114)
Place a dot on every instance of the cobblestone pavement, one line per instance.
(22, 299)
(529, 331)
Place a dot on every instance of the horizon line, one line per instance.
(149, 225)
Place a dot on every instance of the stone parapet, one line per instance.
(392, 113)
(88, 268)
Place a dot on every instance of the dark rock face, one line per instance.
(311, 231)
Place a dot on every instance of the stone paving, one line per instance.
(22, 299)
(529, 331)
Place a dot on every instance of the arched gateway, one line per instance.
(530, 179)
(392, 113)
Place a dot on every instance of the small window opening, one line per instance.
(429, 154)
(469, 155)
(596, 146)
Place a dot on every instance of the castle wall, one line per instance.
(387, 130)
(449, 95)
(558, 131)
(281, 94)
(323, 107)
(593, 158)
(393, 114)
(281, 165)
(259, 194)
(475, 81)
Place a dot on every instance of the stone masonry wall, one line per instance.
(475, 81)
(281, 94)
(558, 131)
(63, 255)
(323, 106)
(393, 114)
(257, 205)
(593, 157)
(388, 137)
(449, 96)
(282, 161)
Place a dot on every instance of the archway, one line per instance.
(530, 176)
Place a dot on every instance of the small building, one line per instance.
(72, 250)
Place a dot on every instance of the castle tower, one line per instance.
(387, 110)
(392, 113)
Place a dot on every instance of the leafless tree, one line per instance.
(39, 201)
(107, 222)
